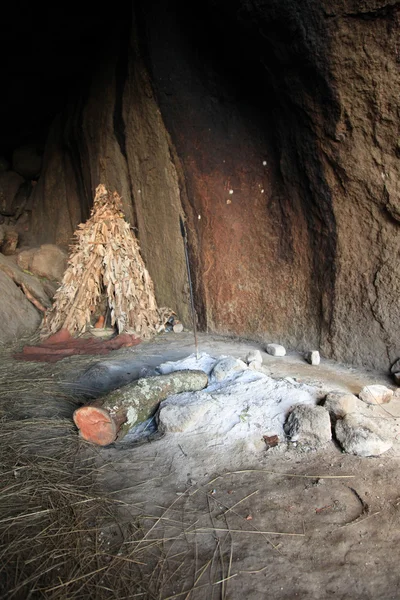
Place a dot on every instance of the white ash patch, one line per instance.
(245, 405)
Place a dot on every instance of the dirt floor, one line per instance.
(169, 519)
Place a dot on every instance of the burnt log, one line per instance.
(109, 418)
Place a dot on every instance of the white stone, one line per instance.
(253, 356)
(255, 365)
(376, 394)
(226, 368)
(309, 425)
(178, 328)
(359, 435)
(275, 350)
(185, 415)
(340, 404)
(313, 357)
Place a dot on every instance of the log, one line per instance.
(109, 418)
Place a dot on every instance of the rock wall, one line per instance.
(274, 128)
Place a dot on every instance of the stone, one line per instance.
(32, 284)
(27, 161)
(340, 404)
(254, 356)
(10, 183)
(10, 241)
(309, 425)
(255, 365)
(49, 261)
(359, 435)
(18, 316)
(178, 328)
(186, 415)
(226, 368)
(275, 350)
(396, 377)
(24, 258)
(376, 394)
(313, 357)
(395, 368)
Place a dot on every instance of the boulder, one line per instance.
(313, 357)
(27, 161)
(185, 415)
(275, 350)
(10, 241)
(226, 368)
(24, 258)
(359, 435)
(340, 404)
(47, 261)
(10, 183)
(32, 284)
(18, 316)
(309, 425)
(376, 394)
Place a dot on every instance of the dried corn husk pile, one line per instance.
(105, 259)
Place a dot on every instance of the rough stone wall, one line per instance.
(116, 136)
(293, 107)
(361, 164)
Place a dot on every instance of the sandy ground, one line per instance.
(281, 524)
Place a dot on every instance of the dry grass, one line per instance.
(105, 261)
(64, 533)
(68, 530)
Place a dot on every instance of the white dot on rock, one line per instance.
(199, 217)
(264, 163)
(231, 191)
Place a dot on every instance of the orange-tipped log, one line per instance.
(112, 416)
(97, 425)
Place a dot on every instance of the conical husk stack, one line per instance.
(106, 260)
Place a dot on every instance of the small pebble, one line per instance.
(178, 328)
(275, 350)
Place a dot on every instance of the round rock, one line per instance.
(340, 404)
(359, 435)
(225, 368)
(376, 394)
(309, 425)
